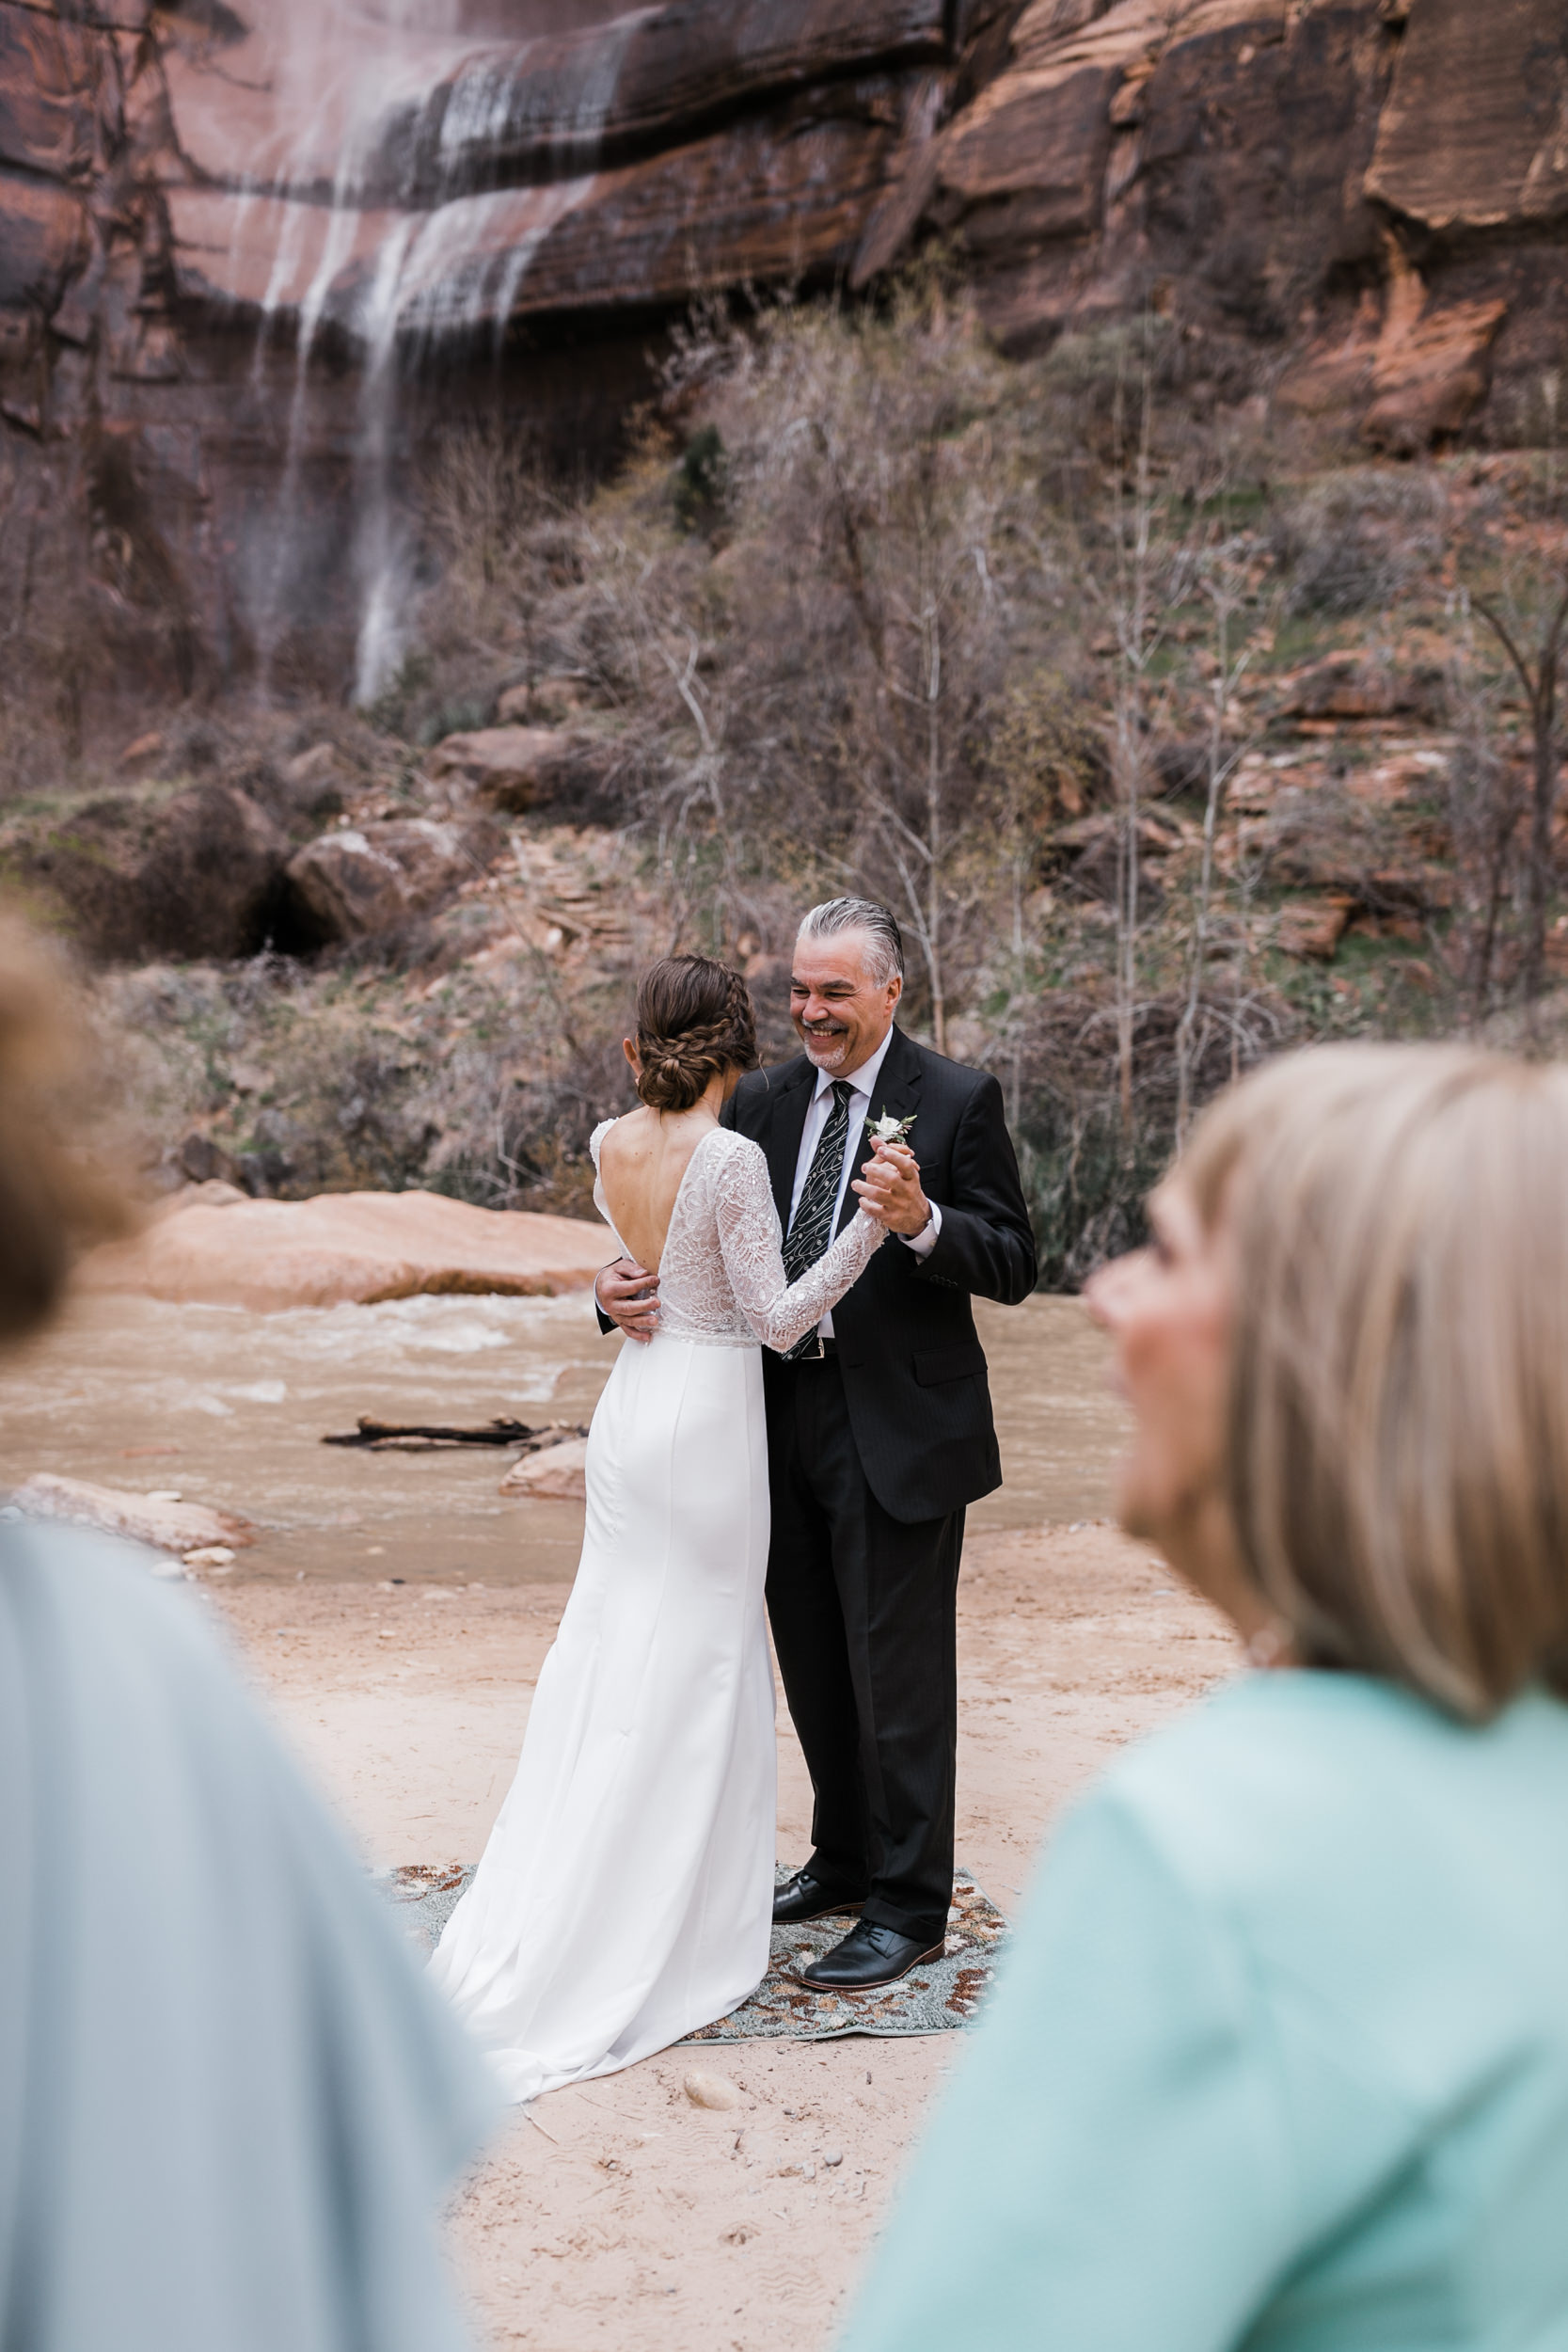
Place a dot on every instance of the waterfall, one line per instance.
(370, 131)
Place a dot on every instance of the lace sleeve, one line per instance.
(780, 1311)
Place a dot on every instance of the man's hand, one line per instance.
(629, 1295)
(889, 1187)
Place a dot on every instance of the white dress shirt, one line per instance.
(864, 1081)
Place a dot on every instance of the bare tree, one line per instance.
(1537, 667)
(1133, 600)
(1487, 796)
(879, 482)
(1516, 578)
(1222, 577)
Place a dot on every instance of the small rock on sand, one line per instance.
(559, 1473)
(168, 1525)
(217, 1558)
(712, 2091)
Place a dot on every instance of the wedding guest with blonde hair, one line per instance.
(1280, 2054)
(230, 2104)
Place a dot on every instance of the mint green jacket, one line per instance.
(1279, 2056)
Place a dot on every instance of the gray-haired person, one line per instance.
(879, 1429)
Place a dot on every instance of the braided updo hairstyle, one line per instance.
(694, 1018)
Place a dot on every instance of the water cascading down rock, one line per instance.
(388, 195)
(256, 256)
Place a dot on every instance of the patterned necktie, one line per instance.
(811, 1228)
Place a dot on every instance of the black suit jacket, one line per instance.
(914, 1372)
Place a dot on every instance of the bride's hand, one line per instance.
(889, 1189)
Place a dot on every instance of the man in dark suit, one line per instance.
(880, 1430)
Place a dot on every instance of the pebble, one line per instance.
(834, 2157)
(712, 2091)
(215, 1556)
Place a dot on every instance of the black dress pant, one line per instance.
(863, 1609)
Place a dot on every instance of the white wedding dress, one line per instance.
(626, 1893)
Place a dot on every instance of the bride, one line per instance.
(626, 1893)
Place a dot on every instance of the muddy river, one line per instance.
(224, 1406)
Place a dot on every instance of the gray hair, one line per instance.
(885, 956)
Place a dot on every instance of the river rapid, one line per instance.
(229, 1407)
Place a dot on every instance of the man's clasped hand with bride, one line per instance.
(1277, 2055)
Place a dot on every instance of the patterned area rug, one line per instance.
(933, 1999)
(425, 1896)
(936, 1998)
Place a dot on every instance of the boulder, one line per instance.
(362, 880)
(199, 876)
(210, 883)
(198, 1164)
(1314, 926)
(165, 1522)
(313, 781)
(558, 1473)
(507, 762)
(546, 702)
(577, 777)
(1348, 686)
(355, 1247)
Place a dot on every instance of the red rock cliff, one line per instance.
(227, 232)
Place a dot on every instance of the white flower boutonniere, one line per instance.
(890, 1130)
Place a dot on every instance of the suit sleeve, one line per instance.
(986, 1244)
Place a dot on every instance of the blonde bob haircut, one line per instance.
(1398, 1451)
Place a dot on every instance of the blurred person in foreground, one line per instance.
(230, 2104)
(1279, 2056)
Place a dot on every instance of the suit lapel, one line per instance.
(898, 1092)
(789, 1101)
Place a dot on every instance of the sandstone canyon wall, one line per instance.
(255, 253)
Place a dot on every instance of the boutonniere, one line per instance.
(890, 1130)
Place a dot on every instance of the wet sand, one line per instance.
(622, 2215)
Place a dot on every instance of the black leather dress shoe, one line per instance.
(870, 1955)
(804, 1897)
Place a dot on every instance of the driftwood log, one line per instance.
(412, 1436)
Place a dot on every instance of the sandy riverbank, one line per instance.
(625, 2217)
